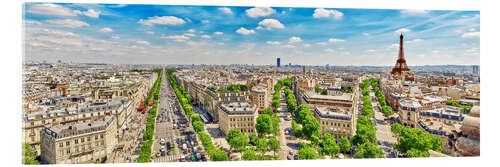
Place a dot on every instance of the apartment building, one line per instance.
(78, 143)
(238, 115)
(336, 122)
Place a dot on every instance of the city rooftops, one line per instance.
(239, 108)
(342, 97)
(332, 113)
(63, 131)
(258, 90)
(409, 103)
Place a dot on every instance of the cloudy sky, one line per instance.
(163, 34)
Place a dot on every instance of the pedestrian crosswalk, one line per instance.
(167, 158)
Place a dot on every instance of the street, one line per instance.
(384, 134)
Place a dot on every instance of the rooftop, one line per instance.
(331, 113)
(62, 131)
(239, 108)
(341, 97)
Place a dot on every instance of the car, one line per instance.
(291, 152)
(289, 157)
(286, 132)
(158, 154)
(296, 157)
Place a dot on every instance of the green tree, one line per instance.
(264, 125)
(262, 145)
(345, 145)
(311, 127)
(239, 142)
(198, 126)
(219, 155)
(268, 111)
(307, 152)
(416, 140)
(250, 155)
(195, 117)
(368, 150)
(329, 144)
(28, 155)
(297, 129)
(274, 144)
(276, 103)
(253, 139)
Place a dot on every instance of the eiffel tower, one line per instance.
(400, 68)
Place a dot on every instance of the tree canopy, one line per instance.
(414, 142)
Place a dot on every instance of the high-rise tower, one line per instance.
(278, 62)
(400, 68)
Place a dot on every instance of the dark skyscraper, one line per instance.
(278, 62)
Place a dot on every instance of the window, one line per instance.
(102, 136)
(43, 121)
(76, 149)
(60, 144)
(67, 143)
(32, 123)
(88, 138)
(96, 144)
(68, 151)
(61, 152)
(76, 141)
(102, 143)
(82, 139)
(96, 137)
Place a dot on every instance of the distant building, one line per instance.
(78, 143)
(278, 62)
(241, 116)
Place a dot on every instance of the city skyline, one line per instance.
(164, 34)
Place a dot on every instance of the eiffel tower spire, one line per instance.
(400, 66)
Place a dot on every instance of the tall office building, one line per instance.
(475, 69)
(278, 62)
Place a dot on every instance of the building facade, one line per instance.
(78, 143)
(241, 116)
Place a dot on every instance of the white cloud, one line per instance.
(471, 35)
(189, 34)
(260, 12)
(472, 29)
(402, 30)
(115, 37)
(164, 20)
(92, 13)
(329, 50)
(370, 50)
(335, 40)
(321, 43)
(69, 23)
(271, 23)
(294, 39)
(416, 40)
(307, 45)
(205, 21)
(366, 34)
(287, 46)
(218, 33)
(414, 11)
(52, 9)
(322, 13)
(259, 28)
(176, 38)
(142, 42)
(226, 10)
(273, 43)
(205, 36)
(58, 10)
(191, 30)
(394, 45)
(245, 31)
(150, 32)
(106, 30)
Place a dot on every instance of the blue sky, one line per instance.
(164, 34)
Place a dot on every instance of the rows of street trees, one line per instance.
(277, 88)
(198, 126)
(365, 139)
(145, 152)
(413, 142)
(386, 110)
(367, 104)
